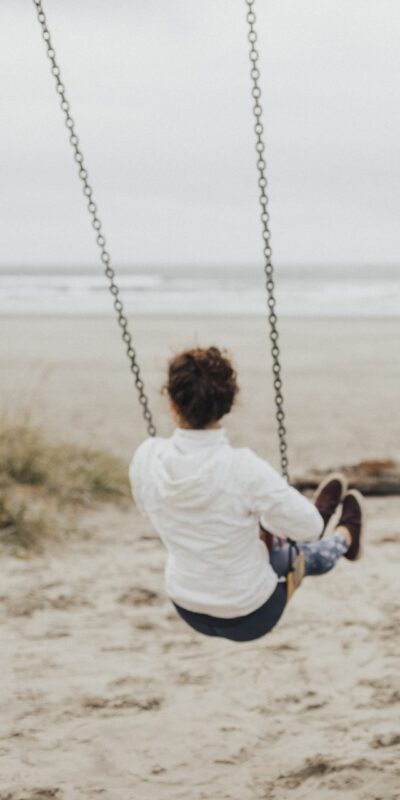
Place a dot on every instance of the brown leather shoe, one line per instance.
(352, 519)
(329, 494)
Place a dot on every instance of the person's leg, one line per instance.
(279, 556)
(320, 557)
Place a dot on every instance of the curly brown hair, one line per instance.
(202, 385)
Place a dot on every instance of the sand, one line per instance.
(104, 691)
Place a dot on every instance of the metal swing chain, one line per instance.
(96, 222)
(266, 234)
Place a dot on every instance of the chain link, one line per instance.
(96, 222)
(266, 234)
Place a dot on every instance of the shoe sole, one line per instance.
(333, 476)
(360, 500)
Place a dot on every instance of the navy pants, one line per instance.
(320, 557)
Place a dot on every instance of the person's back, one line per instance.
(207, 501)
(193, 489)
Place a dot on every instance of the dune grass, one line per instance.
(21, 528)
(43, 482)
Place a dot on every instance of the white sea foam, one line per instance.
(218, 293)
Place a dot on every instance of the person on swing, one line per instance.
(215, 507)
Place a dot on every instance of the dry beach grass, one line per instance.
(105, 692)
(43, 483)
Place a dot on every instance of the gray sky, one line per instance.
(160, 93)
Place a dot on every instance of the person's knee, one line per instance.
(319, 564)
(279, 560)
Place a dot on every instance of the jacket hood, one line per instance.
(182, 472)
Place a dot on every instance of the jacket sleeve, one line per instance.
(134, 480)
(138, 470)
(281, 509)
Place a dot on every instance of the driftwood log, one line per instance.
(370, 477)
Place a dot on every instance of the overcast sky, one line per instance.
(160, 93)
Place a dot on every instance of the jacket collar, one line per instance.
(199, 438)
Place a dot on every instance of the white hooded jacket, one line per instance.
(205, 499)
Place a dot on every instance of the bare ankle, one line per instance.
(345, 533)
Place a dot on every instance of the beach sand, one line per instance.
(104, 691)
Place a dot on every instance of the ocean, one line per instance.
(306, 293)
